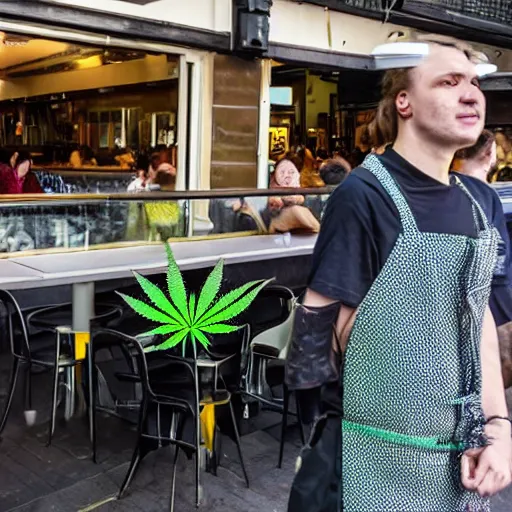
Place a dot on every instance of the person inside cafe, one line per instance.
(478, 160)
(309, 176)
(17, 177)
(138, 184)
(83, 157)
(159, 162)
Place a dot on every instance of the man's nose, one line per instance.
(471, 95)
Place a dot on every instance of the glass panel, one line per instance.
(66, 224)
(88, 121)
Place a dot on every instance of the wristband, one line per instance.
(503, 418)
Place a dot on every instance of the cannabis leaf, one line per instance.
(187, 317)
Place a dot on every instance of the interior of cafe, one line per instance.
(328, 111)
(87, 116)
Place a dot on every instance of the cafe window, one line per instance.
(57, 98)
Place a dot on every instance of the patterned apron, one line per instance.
(412, 375)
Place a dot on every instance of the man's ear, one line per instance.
(403, 105)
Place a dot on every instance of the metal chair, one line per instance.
(25, 355)
(270, 342)
(265, 363)
(50, 317)
(57, 319)
(167, 405)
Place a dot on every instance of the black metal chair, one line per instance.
(264, 369)
(57, 319)
(169, 404)
(50, 317)
(28, 356)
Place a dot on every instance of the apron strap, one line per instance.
(375, 166)
(481, 221)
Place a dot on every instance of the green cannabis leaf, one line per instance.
(187, 317)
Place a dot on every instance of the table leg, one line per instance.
(83, 306)
(83, 311)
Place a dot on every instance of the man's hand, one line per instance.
(488, 470)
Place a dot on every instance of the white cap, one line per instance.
(410, 54)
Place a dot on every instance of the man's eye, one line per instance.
(449, 82)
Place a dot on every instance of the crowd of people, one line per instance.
(153, 171)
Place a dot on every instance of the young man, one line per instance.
(409, 253)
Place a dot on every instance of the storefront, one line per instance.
(323, 88)
(124, 77)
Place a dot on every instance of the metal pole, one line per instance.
(83, 306)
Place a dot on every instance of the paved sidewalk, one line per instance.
(62, 478)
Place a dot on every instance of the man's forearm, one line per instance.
(493, 392)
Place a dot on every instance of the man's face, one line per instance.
(444, 103)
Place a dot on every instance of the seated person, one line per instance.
(83, 157)
(309, 176)
(126, 159)
(334, 171)
(147, 172)
(16, 177)
(139, 183)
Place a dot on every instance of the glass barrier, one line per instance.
(38, 224)
(93, 180)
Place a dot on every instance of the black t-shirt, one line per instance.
(361, 225)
